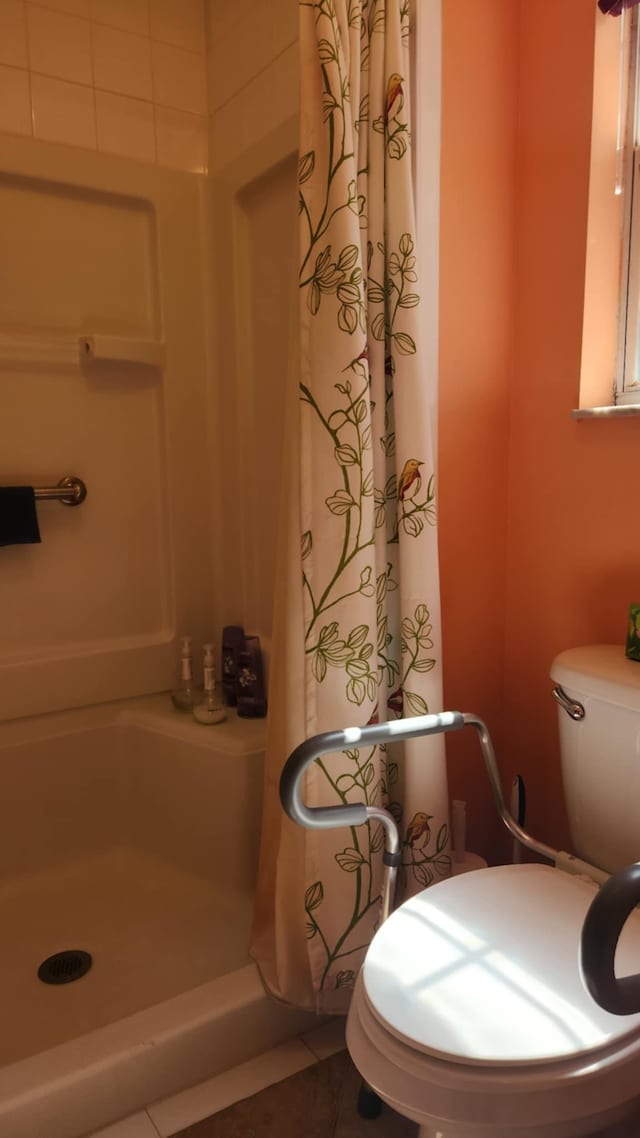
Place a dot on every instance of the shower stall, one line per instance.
(144, 331)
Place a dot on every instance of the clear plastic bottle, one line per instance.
(210, 709)
(185, 695)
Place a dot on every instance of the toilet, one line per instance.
(469, 1015)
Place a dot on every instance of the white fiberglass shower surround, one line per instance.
(126, 830)
(120, 836)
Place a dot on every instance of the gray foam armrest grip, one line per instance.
(329, 817)
(607, 915)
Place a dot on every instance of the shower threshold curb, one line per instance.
(89, 1082)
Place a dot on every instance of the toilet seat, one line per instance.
(555, 1100)
(429, 1053)
(483, 970)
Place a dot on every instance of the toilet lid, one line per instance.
(484, 969)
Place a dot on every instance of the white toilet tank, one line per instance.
(601, 753)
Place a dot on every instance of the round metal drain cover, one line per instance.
(63, 967)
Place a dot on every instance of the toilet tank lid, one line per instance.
(599, 670)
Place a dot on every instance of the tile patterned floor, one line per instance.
(304, 1088)
(319, 1102)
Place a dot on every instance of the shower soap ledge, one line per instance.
(234, 736)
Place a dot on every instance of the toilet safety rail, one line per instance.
(605, 920)
(357, 813)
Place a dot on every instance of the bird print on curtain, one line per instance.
(362, 608)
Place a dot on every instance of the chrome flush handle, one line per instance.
(573, 709)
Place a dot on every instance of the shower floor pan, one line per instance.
(171, 996)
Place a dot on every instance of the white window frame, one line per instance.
(627, 387)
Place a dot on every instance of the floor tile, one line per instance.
(319, 1102)
(350, 1125)
(216, 1094)
(136, 1126)
(327, 1039)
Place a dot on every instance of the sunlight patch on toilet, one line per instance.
(484, 968)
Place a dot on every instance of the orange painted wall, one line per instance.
(539, 540)
(476, 347)
(573, 549)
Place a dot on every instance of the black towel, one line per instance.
(18, 517)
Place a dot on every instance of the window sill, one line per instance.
(623, 411)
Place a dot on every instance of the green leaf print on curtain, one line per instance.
(364, 643)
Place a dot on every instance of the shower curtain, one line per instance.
(357, 624)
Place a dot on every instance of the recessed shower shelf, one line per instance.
(73, 350)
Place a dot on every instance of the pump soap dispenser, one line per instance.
(211, 709)
(185, 694)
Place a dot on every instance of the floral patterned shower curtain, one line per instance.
(357, 629)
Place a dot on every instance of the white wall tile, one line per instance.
(269, 100)
(72, 7)
(179, 22)
(15, 100)
(63, 112)
(13, 33)
(117, 63)
(59, 45)
(127, 15)
(221, 16)
(125, 126)
(179, 79)
(181, 140)
(121, 62)
(242, 50)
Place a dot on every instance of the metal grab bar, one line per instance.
(355, 814)
(71, 491)
(332, 817)
(605, 919)
(328, 817)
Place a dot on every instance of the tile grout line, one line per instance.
(153, 1124)
(250, 1093)
(339, 1120)
(308, 1047)
(199, 52)
(299, 1039)
(252, 79)
(108, 91)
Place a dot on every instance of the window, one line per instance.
(628, 183)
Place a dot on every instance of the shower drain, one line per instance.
(63, 967)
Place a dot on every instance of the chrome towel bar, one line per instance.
(71, 491)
